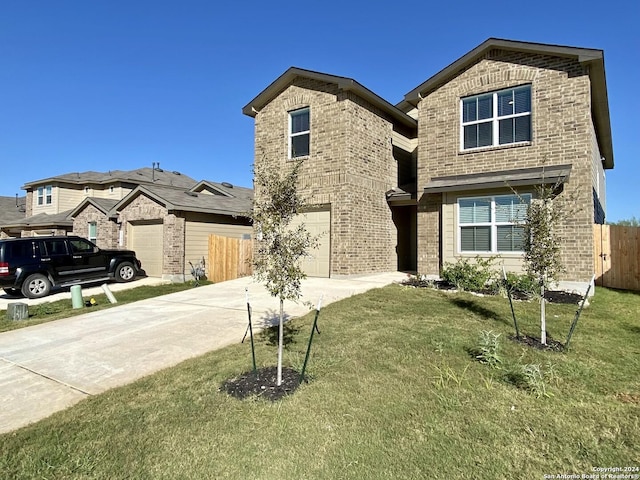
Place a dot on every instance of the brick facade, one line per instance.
(144, 209)
(561, 134)
(106, 229)
(349, 168)
(351, 165)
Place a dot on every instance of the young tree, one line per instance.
(280, 247)
(541, 244)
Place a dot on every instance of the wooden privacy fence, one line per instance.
(229, 258)
(616, 253)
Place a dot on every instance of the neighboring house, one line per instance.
(12, 210)
(432, 179)
(168, 227)
(164, 216)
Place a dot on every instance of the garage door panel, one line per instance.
(146, 240)
(318, 224)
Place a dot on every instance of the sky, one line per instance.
(119, 84)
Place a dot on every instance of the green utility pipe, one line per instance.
(76, 297)
(313, 329)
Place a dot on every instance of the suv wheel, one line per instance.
(36, 286)
(125, 272)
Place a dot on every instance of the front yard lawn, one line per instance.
(394, 394)
(48, 311)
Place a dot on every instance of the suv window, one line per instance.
(55, 247)
(17, 251)
(81, 246)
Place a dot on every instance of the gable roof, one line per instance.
(187, 201)
(138, 176)
(11, 209)
(223, 188)
(343, 83)
(103, 204)
(591, 57)
(62, 219)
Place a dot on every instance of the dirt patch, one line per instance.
(263, 384)
(629, 398)
(552, 345)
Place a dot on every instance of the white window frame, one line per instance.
(44, 195)
(493, 224)
(91, 238)
(495, 119)
(297, 134)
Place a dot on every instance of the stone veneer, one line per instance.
(561, 134)
(349, 168)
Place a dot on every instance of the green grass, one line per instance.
(394, 394)
(48, 311)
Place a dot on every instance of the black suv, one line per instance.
(31, 266)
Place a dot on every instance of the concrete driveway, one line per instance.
(49, 367)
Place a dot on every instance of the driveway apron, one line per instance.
(49, 367)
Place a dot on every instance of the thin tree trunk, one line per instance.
(543, 319)
(280, 341)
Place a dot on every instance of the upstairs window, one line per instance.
(492, 224)
(498, 118)
(299, 133)
(45, 195)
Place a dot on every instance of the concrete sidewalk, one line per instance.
(46, 368)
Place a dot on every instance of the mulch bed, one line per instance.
(552, 296)
(263, 384)
(552, 345)
(556, 296)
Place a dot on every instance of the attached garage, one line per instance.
(146, 238)
(318, 223)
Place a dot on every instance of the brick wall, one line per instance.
(142, 208)
(349, 169)
(561, 124)
(107, 230)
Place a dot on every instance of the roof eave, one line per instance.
(347, 84)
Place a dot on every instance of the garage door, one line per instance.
(146, 240)
(318, 224)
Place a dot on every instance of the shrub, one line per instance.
(468, 275)
(528, 377)
(524, 283)
(486, 351)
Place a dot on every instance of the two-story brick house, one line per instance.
(432, 179)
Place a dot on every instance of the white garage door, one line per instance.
(318, 224)
(146, 240)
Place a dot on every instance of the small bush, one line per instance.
(523, 283)
(486, 351)
(528, 377)
(469, 275)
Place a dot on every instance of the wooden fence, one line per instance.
(616, 253)
(229, 258)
